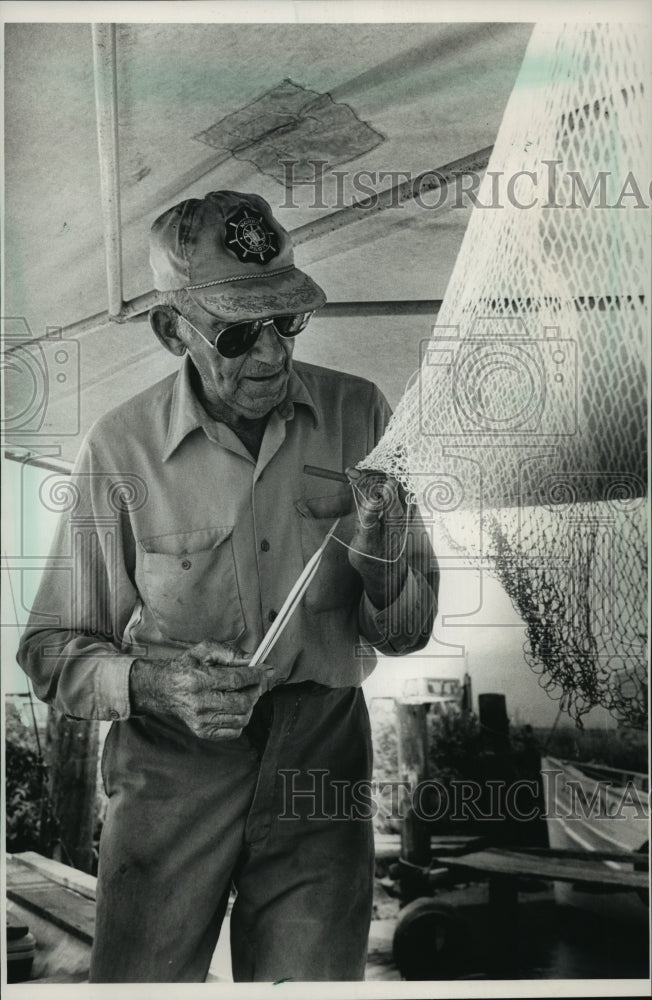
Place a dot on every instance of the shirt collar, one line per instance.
(187, 414)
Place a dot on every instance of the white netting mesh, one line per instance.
(524, 433)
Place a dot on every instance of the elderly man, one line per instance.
(190, 517)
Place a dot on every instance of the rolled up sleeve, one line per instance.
(71, 648)
(406, 624)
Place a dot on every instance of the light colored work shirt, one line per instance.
(171, 532)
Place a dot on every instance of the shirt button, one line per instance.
(114, 715)
(264, 545)
(186, 564)
(271, 616)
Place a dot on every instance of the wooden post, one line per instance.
(496, 768)
(492, 712)
(467, 694)
(72, 748)
(503, 926)
(412, 768)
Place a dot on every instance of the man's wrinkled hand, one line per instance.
(210, 687)
(381, 511)
(377, 547)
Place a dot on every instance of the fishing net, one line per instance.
(523, 436)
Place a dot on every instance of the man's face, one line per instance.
(250, 385)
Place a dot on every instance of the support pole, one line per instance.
(106, 109)
(72, 749)
(412, 769)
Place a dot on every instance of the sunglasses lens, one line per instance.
(240, 337)
(290, 326)
(237, 339)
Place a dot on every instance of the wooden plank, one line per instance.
(55, 871)
(60, 956)
(516, 864)
(62, 907)
(19, 878)
(454, 845)
(388, 845)
(640, 859)
(68, 910)
(599, 770)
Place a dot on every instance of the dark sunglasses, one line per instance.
(238, 338)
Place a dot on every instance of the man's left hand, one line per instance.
(379, 554)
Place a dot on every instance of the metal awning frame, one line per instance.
(118, 311)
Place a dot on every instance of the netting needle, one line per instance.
(291, 601)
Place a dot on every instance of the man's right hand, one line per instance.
(210, 687)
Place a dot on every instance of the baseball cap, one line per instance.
(232, 257)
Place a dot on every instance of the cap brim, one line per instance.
(256, 298)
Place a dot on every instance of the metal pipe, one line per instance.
(389, 307)
(429, 180)
(106, 110)
(27, 457)
(135, 309)
(131, 310)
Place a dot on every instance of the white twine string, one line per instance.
(366, 555)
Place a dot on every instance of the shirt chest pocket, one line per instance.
(190, 585)
(335, 584)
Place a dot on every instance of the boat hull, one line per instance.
(602, 810)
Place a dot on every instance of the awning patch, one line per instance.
(291, 123)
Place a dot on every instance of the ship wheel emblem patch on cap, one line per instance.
(249, 238)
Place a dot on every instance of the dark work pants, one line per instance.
(188, 818)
